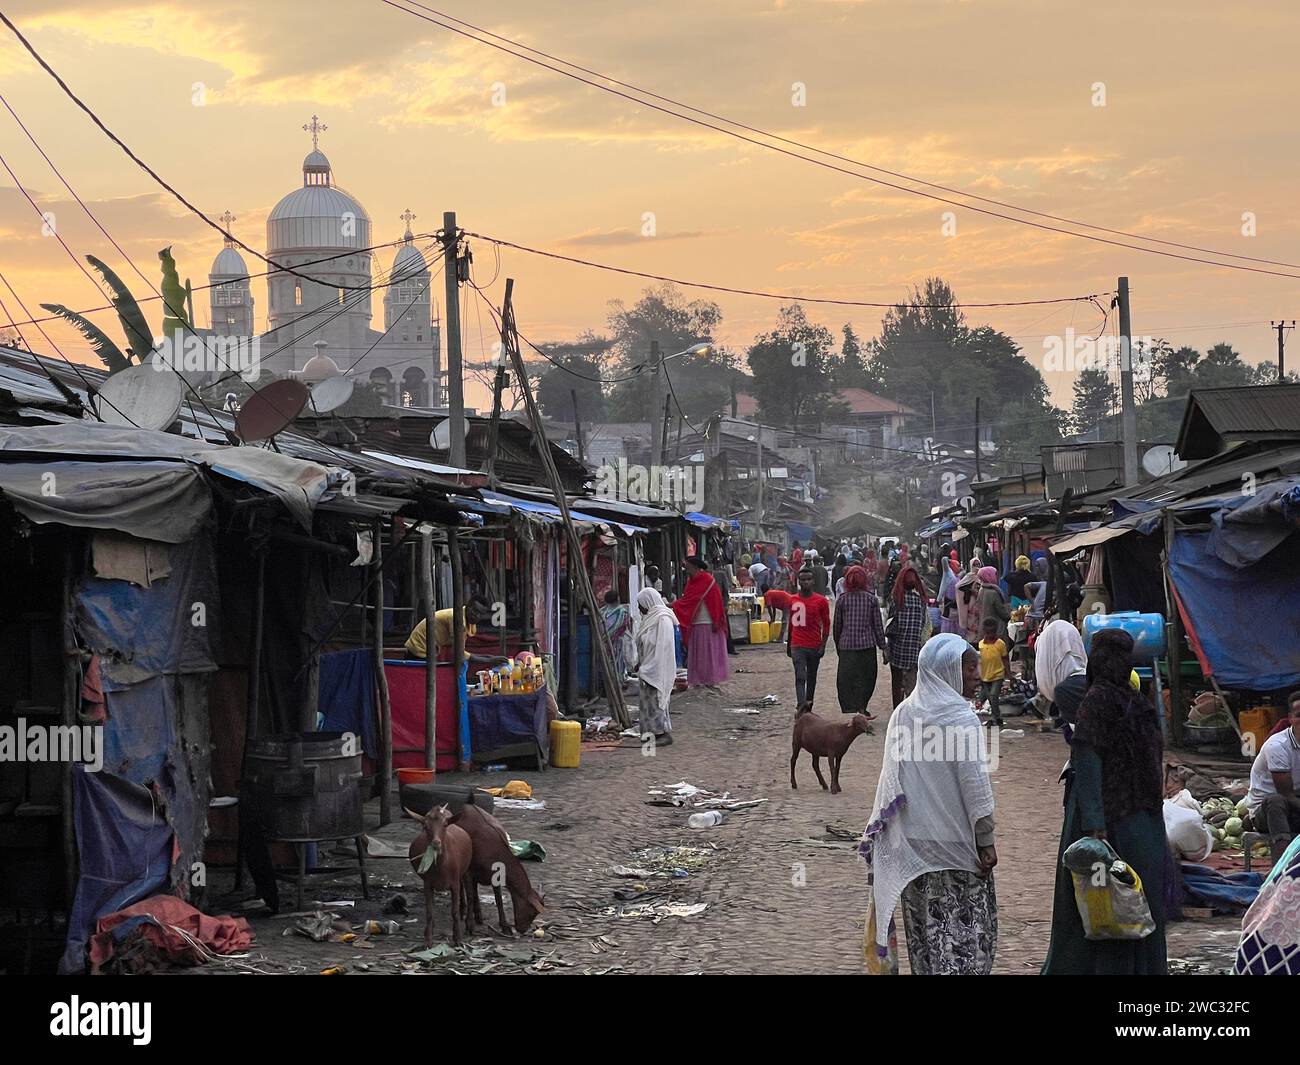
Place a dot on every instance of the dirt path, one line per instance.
(781, 896)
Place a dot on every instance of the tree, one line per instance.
(1094, 398)
(702, 381)
(851, 370)
(577, 366)
(791, 368)
(139, 337)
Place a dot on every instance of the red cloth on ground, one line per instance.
(815, 618)
(701, 588)
(221, 935)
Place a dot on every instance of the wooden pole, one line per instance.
(498, 387)
(604, 654)
(71, 704)
(1175, 639)
(457, 640)
(430, 650)
(381, 678)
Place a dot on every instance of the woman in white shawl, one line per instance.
(1060, 669)
(656, 644)
(929, 843)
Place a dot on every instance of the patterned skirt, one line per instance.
(950, 919)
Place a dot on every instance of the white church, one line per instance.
(319, 327)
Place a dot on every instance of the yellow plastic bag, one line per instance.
(877, 964)
(514, 789)
(1109, 907)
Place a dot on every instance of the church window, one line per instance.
(297, 293)
(340, 295)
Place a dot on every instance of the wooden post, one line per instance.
(600, 638)
(71, 704)
(457, 639)
(498, 387)
(430, 650)
(1175, 639)
(381, 678)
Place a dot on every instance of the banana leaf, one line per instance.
(139, 337)
(175, 318)
(109, 353)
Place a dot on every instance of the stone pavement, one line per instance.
(782, 895)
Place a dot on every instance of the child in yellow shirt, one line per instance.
(995, 667)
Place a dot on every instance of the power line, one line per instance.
(784, 296)
(643, 102)
(841, 158)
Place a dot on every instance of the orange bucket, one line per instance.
(415, 776)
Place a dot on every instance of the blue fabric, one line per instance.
(504, 720)
(1209, 887)
(124, 846)
(465, 733)
(1238, 613)
(346, 699)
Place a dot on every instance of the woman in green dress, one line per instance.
(1113, 790)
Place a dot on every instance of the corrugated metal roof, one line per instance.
(1215, 416)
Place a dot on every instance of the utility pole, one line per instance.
(498, 387)
(758, 499)
(934, 427)
(1128, 412)
(1281, 328)
(577, 427)
(657, 401)
(977, 439)
(455, 369)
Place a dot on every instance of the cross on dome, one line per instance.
(408, 216)
(315, 127)
(226, 220)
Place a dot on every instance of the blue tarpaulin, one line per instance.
(124, 846)
(346, 698)
(1245, 618)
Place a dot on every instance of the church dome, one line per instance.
(319, 367)
(320, 215)
(408, 262)
(228, 263)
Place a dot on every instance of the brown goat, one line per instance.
(822, 738)
(494, 863)
(452, 855)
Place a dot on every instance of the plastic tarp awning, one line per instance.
(706, 521)
(298, 484)
(1244, 618)
(153, 500)
(551, 512)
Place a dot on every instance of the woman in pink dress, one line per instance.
(703, 616)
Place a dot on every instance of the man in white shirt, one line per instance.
(758, 574)
(1274, 796)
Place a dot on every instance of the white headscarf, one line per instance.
(656, 644)
(1058, 653)
(934, 784)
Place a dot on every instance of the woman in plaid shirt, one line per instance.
(905, 627)
(858, 631)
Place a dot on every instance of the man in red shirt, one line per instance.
(808, 628)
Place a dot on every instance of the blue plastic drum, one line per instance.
(1147, 630)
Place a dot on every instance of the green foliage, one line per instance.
(851, 370)
(175, 315)
(792, 370)
(703, 382)
(1095, 396)
(139, 337)
(109, 353)
(581, 365)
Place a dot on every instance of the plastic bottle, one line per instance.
(705, 819)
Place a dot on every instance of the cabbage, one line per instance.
(1234, 826)
(1242, 808)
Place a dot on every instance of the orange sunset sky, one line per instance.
(991, 96)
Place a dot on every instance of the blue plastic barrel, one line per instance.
(1147, 630)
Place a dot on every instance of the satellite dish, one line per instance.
(268, 410)
(440, 438)
(331, 392)
(142, 396)
(1161, 459)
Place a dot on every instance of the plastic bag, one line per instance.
(878, 965)
(1112, 904)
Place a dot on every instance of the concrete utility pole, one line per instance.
(657, 401)
(455, 368)
(1128, 412)
(758, 499)
(1281, 328)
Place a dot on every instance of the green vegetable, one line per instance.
(1234, 826)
